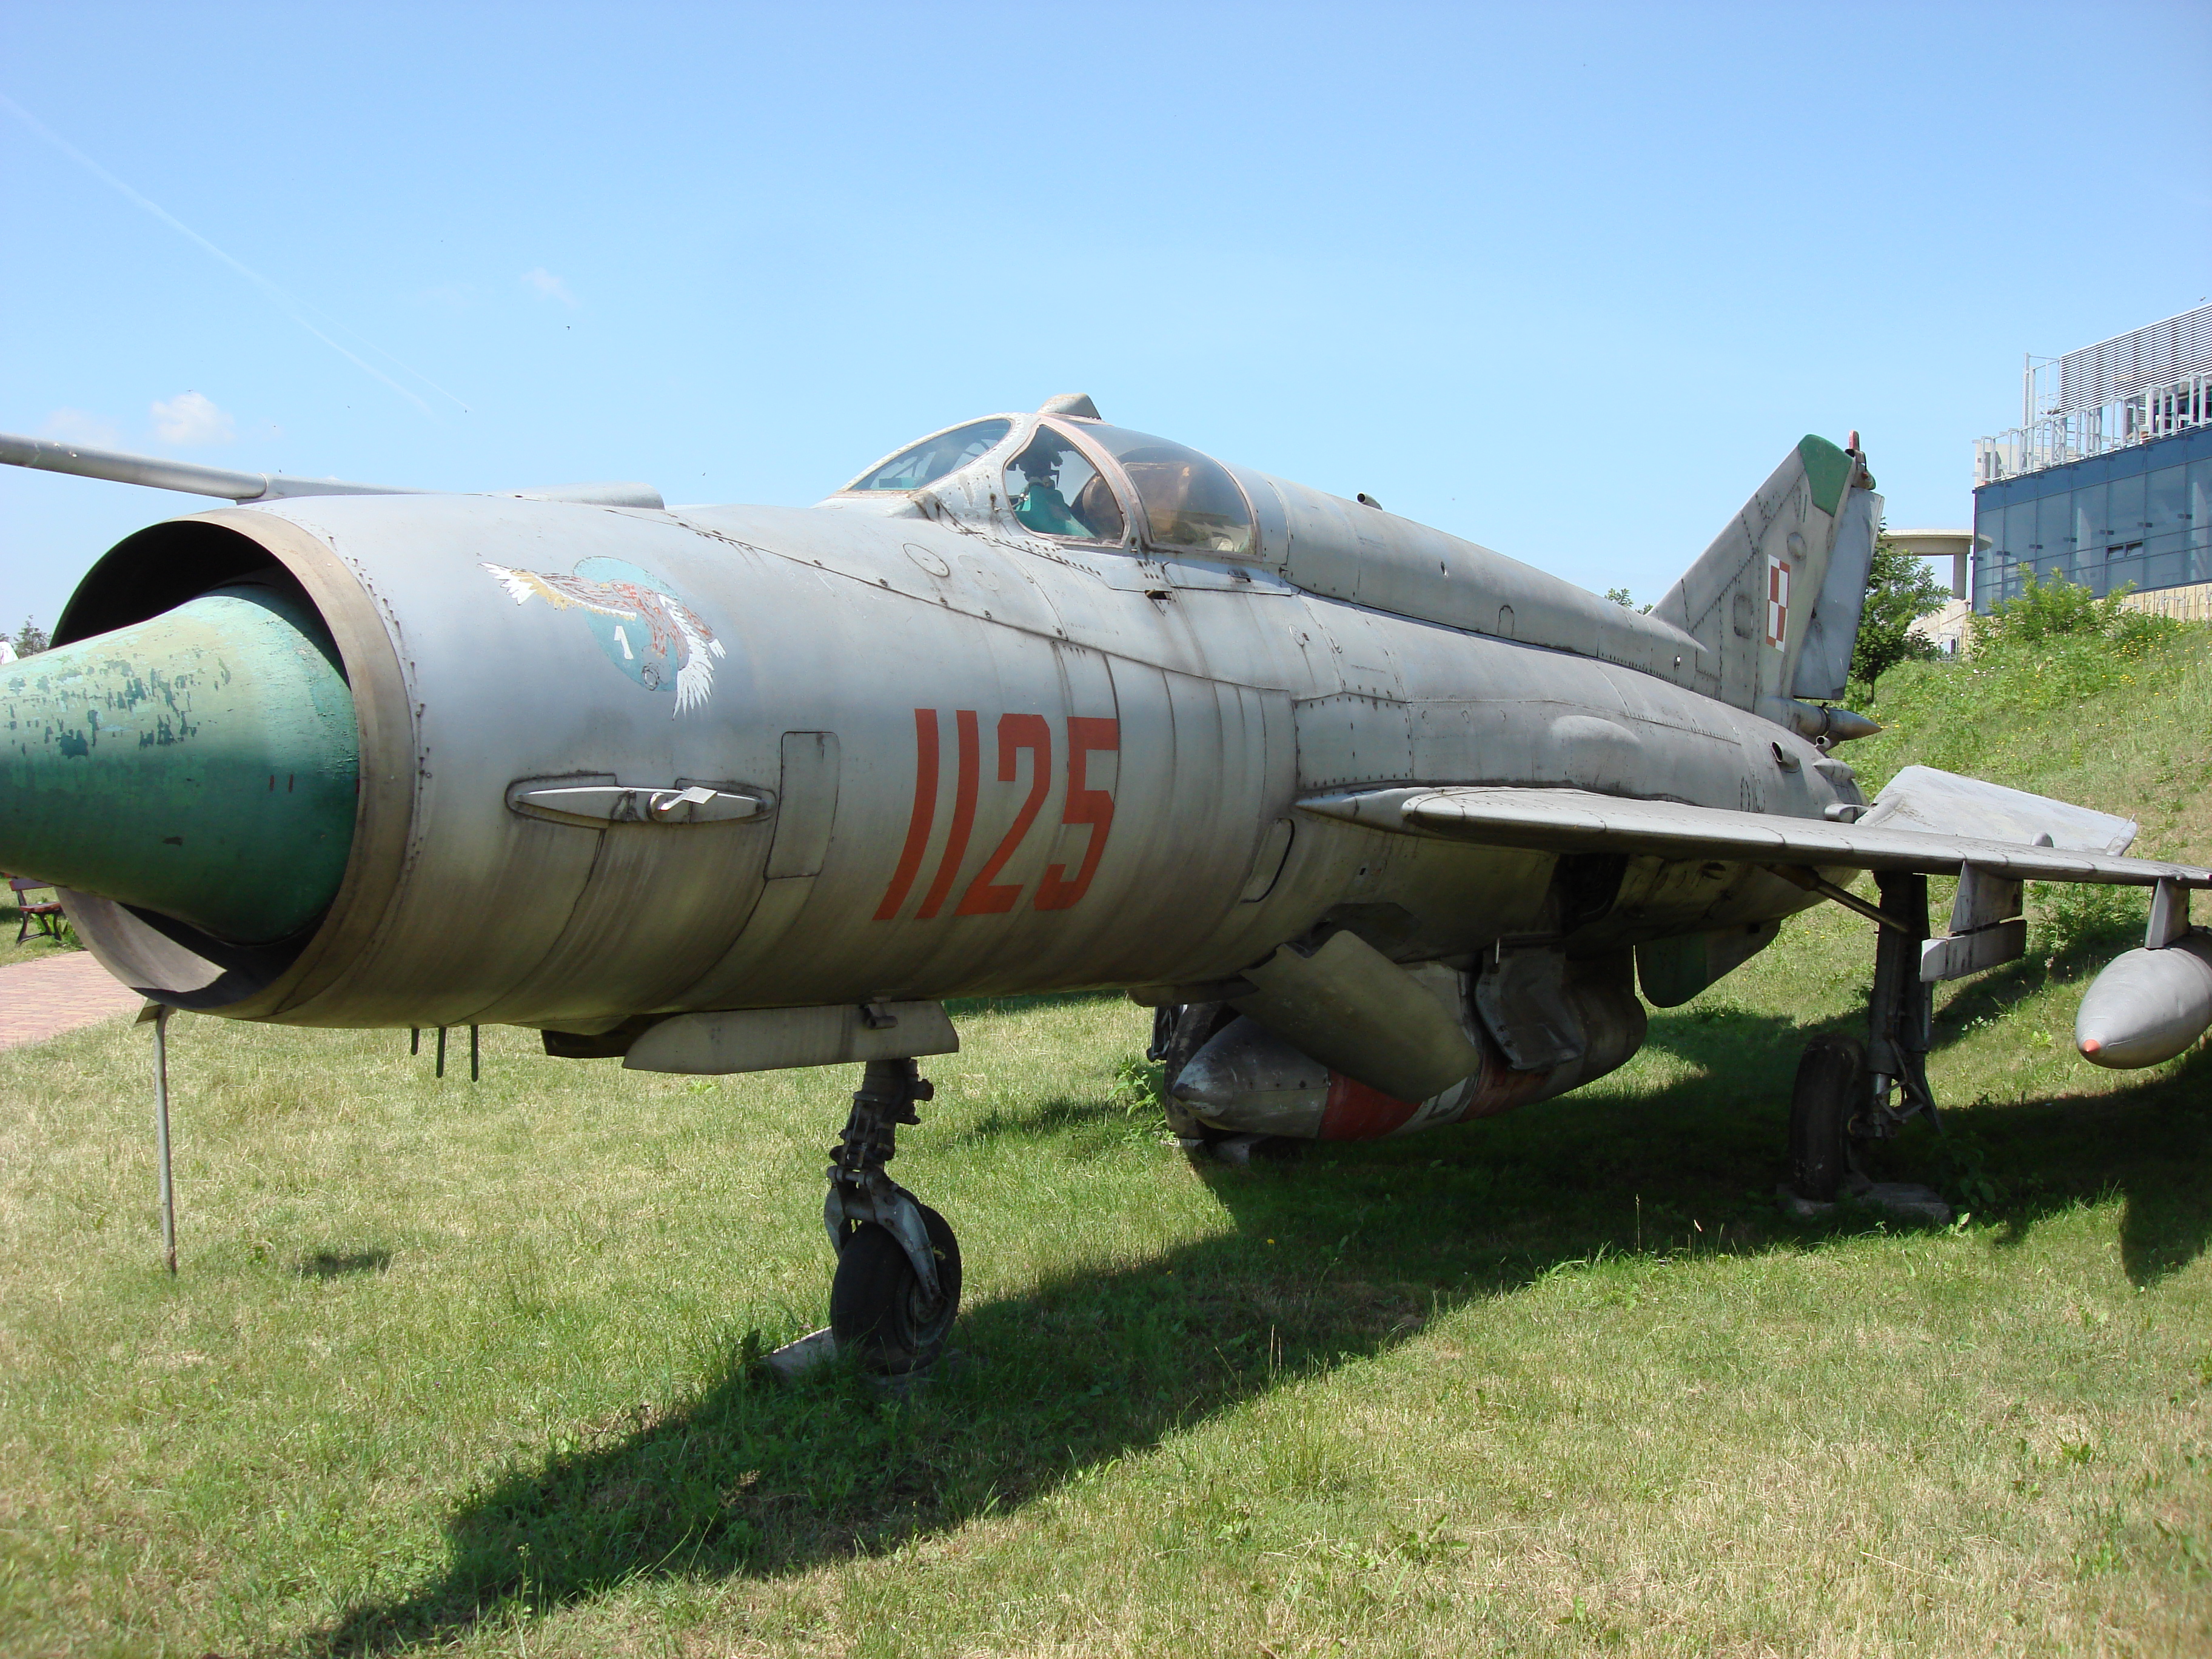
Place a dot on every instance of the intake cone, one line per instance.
(201, 764)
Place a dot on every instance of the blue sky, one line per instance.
(1567, 280)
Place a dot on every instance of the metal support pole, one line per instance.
(413, 1039)
(441, 1052)
(476, 1074)
(161, 1136)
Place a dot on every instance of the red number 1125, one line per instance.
(1018, 734)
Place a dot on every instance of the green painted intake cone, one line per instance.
(201, 764)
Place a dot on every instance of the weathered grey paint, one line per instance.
(982, 760)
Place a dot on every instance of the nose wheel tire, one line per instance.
(878, 1309)
(1832, 1078)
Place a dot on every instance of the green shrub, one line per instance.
(2137, 634)
(2048, 611)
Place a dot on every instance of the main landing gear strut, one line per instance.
(1849, 1093)
(897, 1284)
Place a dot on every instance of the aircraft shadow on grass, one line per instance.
(1332, 1259)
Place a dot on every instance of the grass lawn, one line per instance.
(463, 1369)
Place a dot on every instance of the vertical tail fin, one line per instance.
(1776, 599)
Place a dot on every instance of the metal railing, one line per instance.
(2075, 435)
(2150, 383)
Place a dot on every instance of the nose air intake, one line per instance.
(201, 764)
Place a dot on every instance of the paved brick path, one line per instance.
(44, 999)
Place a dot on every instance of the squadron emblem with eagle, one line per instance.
(617, 598)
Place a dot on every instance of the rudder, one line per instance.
(1776, 599)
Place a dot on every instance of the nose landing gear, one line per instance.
(897, 1284)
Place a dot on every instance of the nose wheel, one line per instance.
(898, 1286)
(878, 1307)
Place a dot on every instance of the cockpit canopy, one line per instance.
(1080, 480)
(920, 465)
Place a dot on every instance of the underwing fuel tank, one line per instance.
(2148, 1005)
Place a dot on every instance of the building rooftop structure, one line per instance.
(2107, 481)
(2134, 388)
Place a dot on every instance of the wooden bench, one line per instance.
(46, 913)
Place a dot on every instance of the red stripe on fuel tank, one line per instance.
(964, 814)
(924, 818)
(1016, 733)
(1356, 1112)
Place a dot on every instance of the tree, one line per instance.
(1621, 597)
(30, 639)
(1900, 589)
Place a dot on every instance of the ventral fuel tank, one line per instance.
(1249, 1080)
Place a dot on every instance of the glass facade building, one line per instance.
(2141, 514)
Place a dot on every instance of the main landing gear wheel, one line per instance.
(1832, 1080)
(878, 1309)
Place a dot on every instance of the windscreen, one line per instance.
(927, 462)
(1189, 500)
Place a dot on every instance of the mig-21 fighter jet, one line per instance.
(1390, 828)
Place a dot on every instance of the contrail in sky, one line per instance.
(298, 310)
